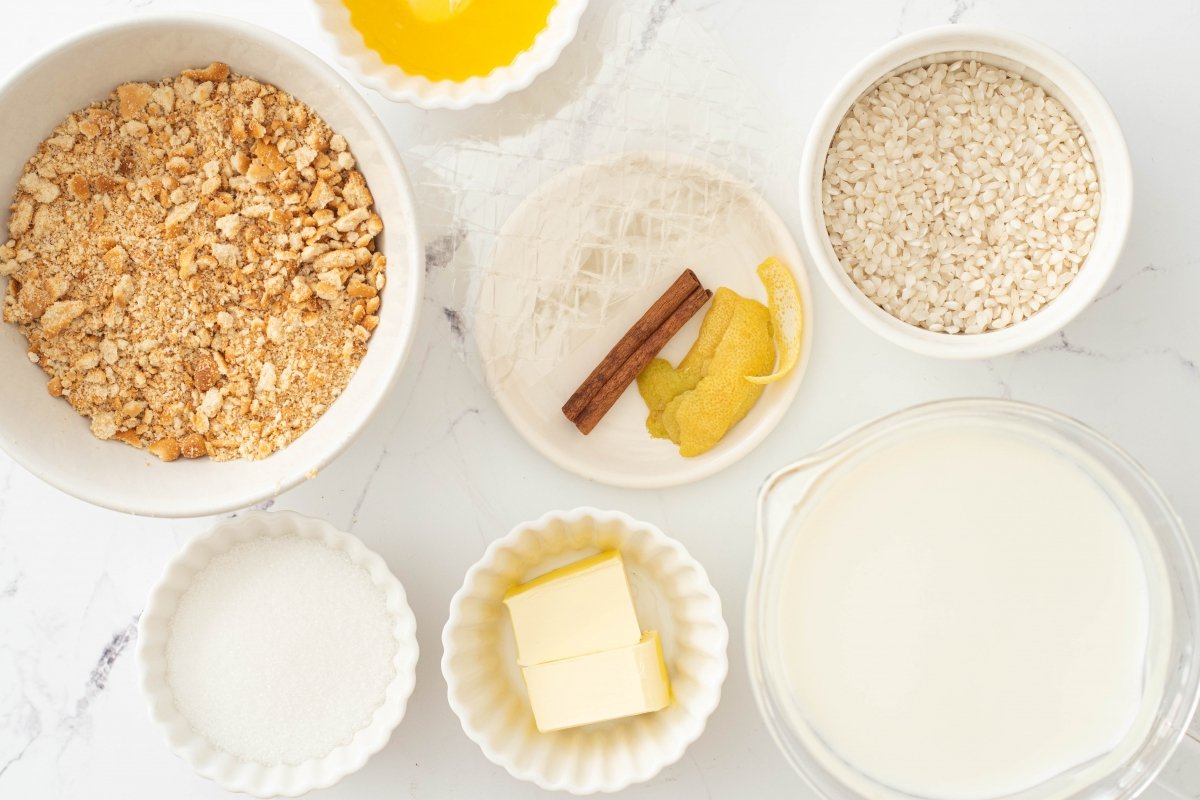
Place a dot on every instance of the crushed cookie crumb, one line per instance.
(193, 264)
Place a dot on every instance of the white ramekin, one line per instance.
(672, 594)
(1060, 78)
(47, 436)
(228, 771)
(395, 84)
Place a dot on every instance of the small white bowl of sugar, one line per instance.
(965, 192)
(277, 654)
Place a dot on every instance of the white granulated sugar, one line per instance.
(960, 197)
(280, 650)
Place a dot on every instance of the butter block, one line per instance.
(601, 686)
(578, 609)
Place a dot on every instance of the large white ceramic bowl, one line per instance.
(1028, 59)
(396, 84)
(47, 436)
(228, 771)
(671, 594)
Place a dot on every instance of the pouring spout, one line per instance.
(780, 496)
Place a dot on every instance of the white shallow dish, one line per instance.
(395, 84)
(47, 436)
(1030, 60)
(722, 232)
(671, 594)
(225, 770)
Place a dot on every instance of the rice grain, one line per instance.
(960, 197)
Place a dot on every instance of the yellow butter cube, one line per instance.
(578, 609)
(601, 686)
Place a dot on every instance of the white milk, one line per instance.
(965, 615)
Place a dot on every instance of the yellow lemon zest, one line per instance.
(695, 404)
(659, 384)
(787, 316)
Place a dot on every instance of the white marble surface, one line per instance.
(440, 473)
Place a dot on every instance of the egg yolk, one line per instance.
(449, 39)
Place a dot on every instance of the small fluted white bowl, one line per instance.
(1061, 79)
(228, 771)
(395, 84)
(672, 595)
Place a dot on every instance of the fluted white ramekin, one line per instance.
(226, 770)
(672, 595)
(395, 84)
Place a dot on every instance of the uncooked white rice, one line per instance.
(960, 197)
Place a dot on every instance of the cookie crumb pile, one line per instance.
(194, 264)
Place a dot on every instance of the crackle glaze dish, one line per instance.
(671, 593)
(395, 84)
(583, 234)
(237, 774)
(49, 438)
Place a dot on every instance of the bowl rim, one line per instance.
(703, 586)
(1086, 103)
(150, 505)
(273, 780)
(396, 85)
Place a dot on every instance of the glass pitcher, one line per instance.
(1163, 747)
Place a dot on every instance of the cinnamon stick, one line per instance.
(606, 396)
(651, 321)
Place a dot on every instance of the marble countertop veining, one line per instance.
(439, 473)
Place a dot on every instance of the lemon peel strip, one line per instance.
(787, 317)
